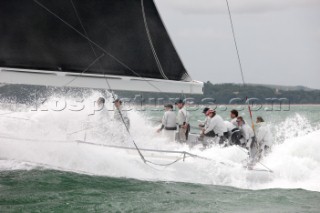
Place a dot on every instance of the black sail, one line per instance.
(95, 36)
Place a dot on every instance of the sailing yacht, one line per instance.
(109, 44)
(99, 44)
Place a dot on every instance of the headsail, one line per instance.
(89, 39)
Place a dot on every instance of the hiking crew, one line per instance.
(203, 124)
(216, 127)
(233, 115)
(264, 137)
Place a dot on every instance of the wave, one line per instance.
(45, 139)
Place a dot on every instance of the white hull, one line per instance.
(96, 81)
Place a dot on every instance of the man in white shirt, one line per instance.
(233, 133)
(98, 122)
(248, 140)
(183, 119)
(229, 126)
(233, 115)
(216, 126)
(264, 137)
(247, 135)
(121, 115)
(169, 122)
(203, 124)
(102, 112)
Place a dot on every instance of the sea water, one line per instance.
(44, 167)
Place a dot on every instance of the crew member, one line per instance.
(233, 115)
(183, 121)
(234, 134)
(120, 114)
(216, 126)
(264, 137)
(248, 140)
(102, 110)
(203, 124)
(169, 121)
(247, 135)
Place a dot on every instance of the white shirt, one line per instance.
(183, 116)
(169, 119)
(217, 125)
(264, 137)
(246, 131)
(234, 121)
(229, 126)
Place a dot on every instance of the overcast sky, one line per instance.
(279, 40)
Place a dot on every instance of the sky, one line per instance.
(278, 40)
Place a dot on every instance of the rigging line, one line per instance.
(113, 57)
(126, 126)
(85, 70)
(81, 130)
(69, 25)
(151, 43)
(235, 42)
(91, 46)
(240, 66)
(108, 84)
(107, 146)
(183, 153)
(270, 170)
(112, 93)
(166, 164)
(83, 28)
(85, 31)
(253, 127)
(95, 44)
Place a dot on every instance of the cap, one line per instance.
(117, 100)
(169, 106)
(205, 110)
(179, 102)
(210, 111)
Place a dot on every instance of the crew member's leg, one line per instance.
(182, 134)
(254, 154)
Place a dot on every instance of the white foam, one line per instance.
(42, 139)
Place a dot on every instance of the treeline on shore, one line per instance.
(237, 93)
(219, 93)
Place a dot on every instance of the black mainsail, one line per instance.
(52, 42)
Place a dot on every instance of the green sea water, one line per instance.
(55, 191)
